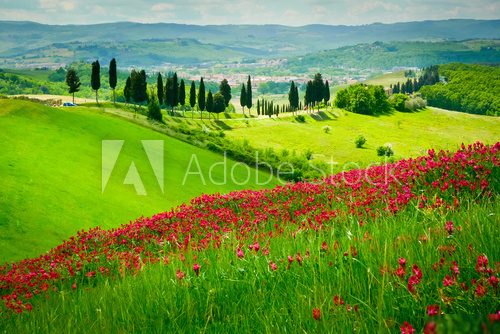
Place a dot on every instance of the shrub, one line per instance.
(360, 141)
(385, 150)
(398, 101)
(327, 129)
(300, 119)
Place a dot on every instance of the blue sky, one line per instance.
(349, 12)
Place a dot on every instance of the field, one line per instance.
(410, 134)
(417, 250)
(51, 175)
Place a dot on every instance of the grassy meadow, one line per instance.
(410, 134)
(51, 175)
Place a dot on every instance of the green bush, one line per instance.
(327, 129)
(360, 141)
(385, 150)
(300, 118)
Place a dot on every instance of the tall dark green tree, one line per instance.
(73, 82)
(309, 97)
(138, 86)
(192, 95)
(225, 90)
(175, 91)
(95, 78)
(210, 103)
(182, 94)
(169, 91)
(243, 97)
(326, 95)
(219, 103)
(318, 89)
(159, 89)
(154, 110)
(126, 90)
(201, 97)
(249, 94)
(113, 77)
(258, 107)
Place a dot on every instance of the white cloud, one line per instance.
(55, 5)
(162, 6)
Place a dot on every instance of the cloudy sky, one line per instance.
(288, 12)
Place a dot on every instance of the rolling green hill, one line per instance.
(410, 134)
(50, 170)
(31, 43)
(387, 55)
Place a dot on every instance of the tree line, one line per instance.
(430, 76)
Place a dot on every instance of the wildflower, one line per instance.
(256, 247)
(482, 263)
(448, 281)
(481, 290)
(400, 272)
(337, 300)
(417, 272)
(494, 317)
(316, 313)
(412, 281)
(273, 266)
(290, 259)
(449, 227)
(299, 258)
(73, 286)
(430, 328)
(433, 310)
(196, 268)
(402, 262)
(240, 253)
(324, 247)
(493, 280)
(454, 269)
(406, 328)
(180, 275)
(90, 274)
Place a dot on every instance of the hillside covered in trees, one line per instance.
(382, 55)
(473, 89)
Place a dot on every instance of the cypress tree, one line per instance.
(309, 97)
(182, 94)
(95, 78)
(126, 90)
(175, 92)
(318, 89)
(326, 95)
(159, 89)
(291, 94)
(225, 90)
(113, 78)
(243, 97)
(192, 95)
(249, 94)
(143, 91)
(169, 101)
(210, 103)
(201, 97)
(73, 82)
(258, 107)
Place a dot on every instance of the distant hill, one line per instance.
(383, 55)
(154, 44)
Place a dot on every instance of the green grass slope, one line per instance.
(50, 168)
(410, 134)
